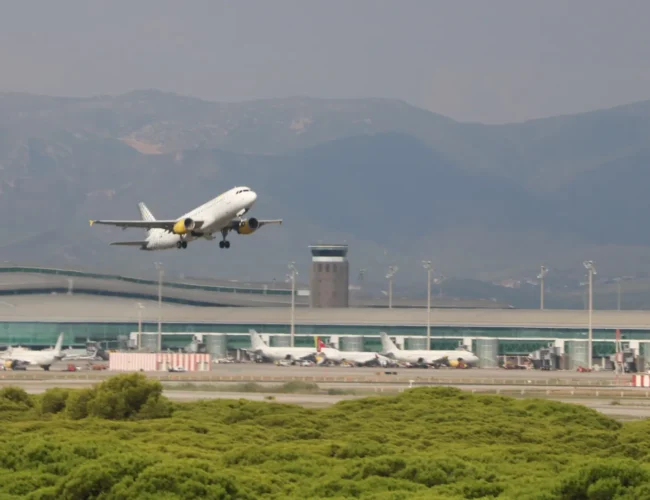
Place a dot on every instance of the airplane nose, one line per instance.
(253, 196)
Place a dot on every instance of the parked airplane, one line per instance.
(91, 352)
(431, 358)
(219, 215)
(44, 358)
(359, 358)
(259, 348)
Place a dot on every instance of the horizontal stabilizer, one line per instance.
(272, 221)
(130, 243)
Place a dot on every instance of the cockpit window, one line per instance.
(242, 191)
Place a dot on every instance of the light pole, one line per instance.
(391, 272)
(589, 265)
(540, 276)
(140, 308)
(427, 266)
(439, 281)
(161, 271)
(618, 290)
(292, 275)
(360, 280)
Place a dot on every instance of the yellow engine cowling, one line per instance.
(248, 226)
(183, 226)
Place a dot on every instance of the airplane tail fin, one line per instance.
(387, 345)
(256, 341)
(145, 213)
(320, 345)
(59, 345)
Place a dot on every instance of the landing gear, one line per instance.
(224, 243)
(181, 244)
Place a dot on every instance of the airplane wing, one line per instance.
(168, 225)
(270, 221)
(248, 226)
(443, 360)
(130, 243)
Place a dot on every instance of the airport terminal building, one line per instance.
(36, 306)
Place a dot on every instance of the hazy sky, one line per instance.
(483, 60)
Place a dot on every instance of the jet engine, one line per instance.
(248, 226)
(183, 226)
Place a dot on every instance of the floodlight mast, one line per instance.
(161, 272)
(391, 272)
(140, 308)
(589, 266)
(427, 265)
(293, 272)
(618, 293)
(540, 276)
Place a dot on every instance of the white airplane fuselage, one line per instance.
(286, 353)
(357, 357)
(43, 358)
(215, 214)
(278, 353)
(388, 348)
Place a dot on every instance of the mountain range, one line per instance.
(397, 183)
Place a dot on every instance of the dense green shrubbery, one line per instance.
(121, 440)
(124, 397)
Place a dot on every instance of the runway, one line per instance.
(264, 369)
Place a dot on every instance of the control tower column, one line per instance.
(329, 276)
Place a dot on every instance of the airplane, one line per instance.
(91, 352)
(419, 357)
(359, 358)
(43, 358)
(219, 215)
(292, 354)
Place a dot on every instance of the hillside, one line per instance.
(396, 182)
(541, 154)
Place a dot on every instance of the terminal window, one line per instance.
(328, 253)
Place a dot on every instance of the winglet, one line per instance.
(91, 222)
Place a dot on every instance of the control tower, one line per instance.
(329, 276)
